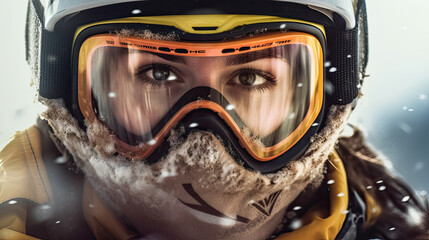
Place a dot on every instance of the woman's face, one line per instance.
(146, 85)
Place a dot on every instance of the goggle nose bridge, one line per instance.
(203, 119)
(200, 94)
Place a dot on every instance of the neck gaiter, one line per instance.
(197, 191)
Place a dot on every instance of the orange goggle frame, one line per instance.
(144, 150)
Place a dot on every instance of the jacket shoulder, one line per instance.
(22, 172)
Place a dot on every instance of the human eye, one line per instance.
(249, 78)
(157, 74)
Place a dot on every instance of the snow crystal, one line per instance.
(295, 224)
(296, 208)
(45, 207)
(112, 94)
(136, 11)
(329, 88)
(415, 216)
(60, 160)
(327, 64)
(229, 107)
(405, 199)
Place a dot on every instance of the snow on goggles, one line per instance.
(267, 89)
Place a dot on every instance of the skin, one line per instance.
(142, 99)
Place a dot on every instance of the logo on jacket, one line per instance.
(266, 205)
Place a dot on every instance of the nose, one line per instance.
(206, 72)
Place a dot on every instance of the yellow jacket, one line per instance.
(24, 183)
(23, 176)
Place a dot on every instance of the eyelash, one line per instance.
(271, 80)
(147, 82)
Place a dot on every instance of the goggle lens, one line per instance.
(268, 89)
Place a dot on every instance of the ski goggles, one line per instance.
(268, 89)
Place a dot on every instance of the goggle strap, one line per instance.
(344, 72)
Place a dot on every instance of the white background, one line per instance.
(394, 112)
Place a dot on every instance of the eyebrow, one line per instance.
(172, 58)
(238, 59)
(253, 56)
(168, 57)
